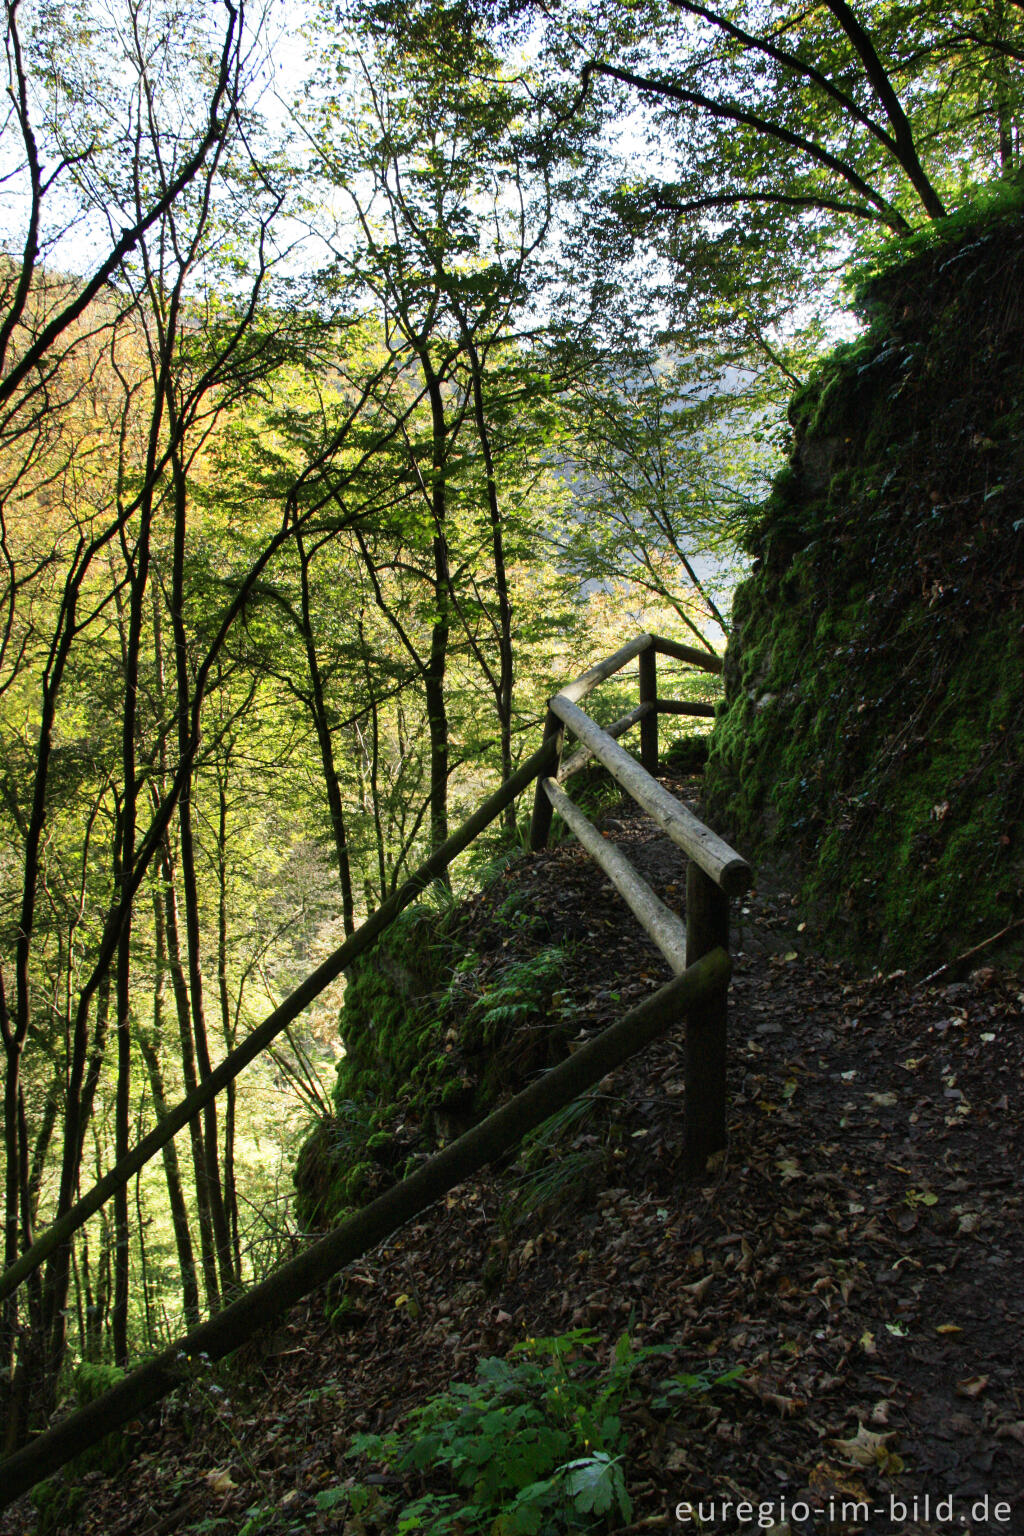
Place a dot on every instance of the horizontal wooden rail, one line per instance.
(658, 921)
(491, 1139)
(275, 1023)
(722, 863)
(683, 707)
(706, 660)
(582, 757)
(582, 685)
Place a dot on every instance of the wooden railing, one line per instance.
(697, 954)
(715, 872)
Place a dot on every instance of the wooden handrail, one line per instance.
(706, 660)
(715, 870)
(659, 922)
(698, 952)
(582, 756)
(684, 707)
(722, 863)
(582, 685)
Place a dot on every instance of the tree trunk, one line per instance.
(150, 1049)
(321, 724)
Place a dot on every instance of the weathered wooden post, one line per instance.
(540, 822)
(649, 695)
(707, 928)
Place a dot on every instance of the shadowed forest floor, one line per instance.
(858, 1251)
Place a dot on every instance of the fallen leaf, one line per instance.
(220, 1481)
(866, 1448)
(826, 1479)
(699, 1288)
(971, 1386)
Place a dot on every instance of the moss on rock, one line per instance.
(873, 728)
(447, 1014)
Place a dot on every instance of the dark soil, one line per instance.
(857, 1251)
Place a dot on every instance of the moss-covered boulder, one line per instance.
(872, 735)
(450, 1011)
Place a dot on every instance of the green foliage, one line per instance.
(556, 1162)
(536, 1443)
(521, 991)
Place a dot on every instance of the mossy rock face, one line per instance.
(61, 1501)
(873, 730)
(449, 1013)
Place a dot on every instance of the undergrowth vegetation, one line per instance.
(536, 1443)
(453, 1009)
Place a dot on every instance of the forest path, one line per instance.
(858, 1251)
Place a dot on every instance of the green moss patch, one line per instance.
(451, 1011)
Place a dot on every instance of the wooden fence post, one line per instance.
(540, 822)
(649, 723)
(707, 928)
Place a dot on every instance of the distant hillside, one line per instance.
(873, 731)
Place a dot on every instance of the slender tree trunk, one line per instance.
(145, 1278)
(132, 645)
(175, 1188)
(25, 1362)
(505, 681)
(77, 1119)
(166, 919)
(374, 767)
(437, 664)
(190, 886)
(230, 1190)
(321, 724)
(190, 1079)
(150, 1049)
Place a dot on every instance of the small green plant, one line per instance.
(677, 1388)
(259, 1517)
(556, 1159)
(520, 992)
(535, 1443)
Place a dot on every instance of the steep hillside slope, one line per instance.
(834, 1312)
(873, 731)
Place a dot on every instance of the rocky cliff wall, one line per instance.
(872, 737)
